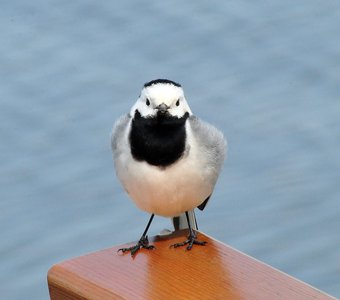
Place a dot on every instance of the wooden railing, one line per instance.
(214, 271)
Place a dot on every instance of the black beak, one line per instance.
(162, 108)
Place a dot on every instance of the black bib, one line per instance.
(159, 140)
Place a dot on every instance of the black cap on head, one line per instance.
(156, 81)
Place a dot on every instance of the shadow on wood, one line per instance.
(214, 271)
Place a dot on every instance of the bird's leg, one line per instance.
(142, 243)
(192, 238)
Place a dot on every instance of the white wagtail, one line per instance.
(167, 159)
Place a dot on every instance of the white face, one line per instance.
(164, 94)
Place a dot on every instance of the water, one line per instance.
(266, 73)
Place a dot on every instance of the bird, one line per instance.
(167, 159)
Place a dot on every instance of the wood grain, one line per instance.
(215, 271)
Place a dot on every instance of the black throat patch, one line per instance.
(160, 140)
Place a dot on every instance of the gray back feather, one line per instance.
(118, 133)
(211, 142)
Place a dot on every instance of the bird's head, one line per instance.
(161, 97)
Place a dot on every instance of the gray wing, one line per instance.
(213, 147)
(117, 136)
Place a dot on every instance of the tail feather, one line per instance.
(180, 222)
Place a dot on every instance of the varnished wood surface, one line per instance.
(214, 271)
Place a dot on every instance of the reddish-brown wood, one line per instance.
(215, 271)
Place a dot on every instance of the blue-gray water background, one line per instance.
(267, 73)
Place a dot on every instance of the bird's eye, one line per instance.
(147, 102)
(177, 103)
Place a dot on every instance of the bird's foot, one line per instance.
(192, 240)
(142, 243)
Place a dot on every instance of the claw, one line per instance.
(190, 242)
(142, 243)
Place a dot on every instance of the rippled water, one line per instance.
(266, 73)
